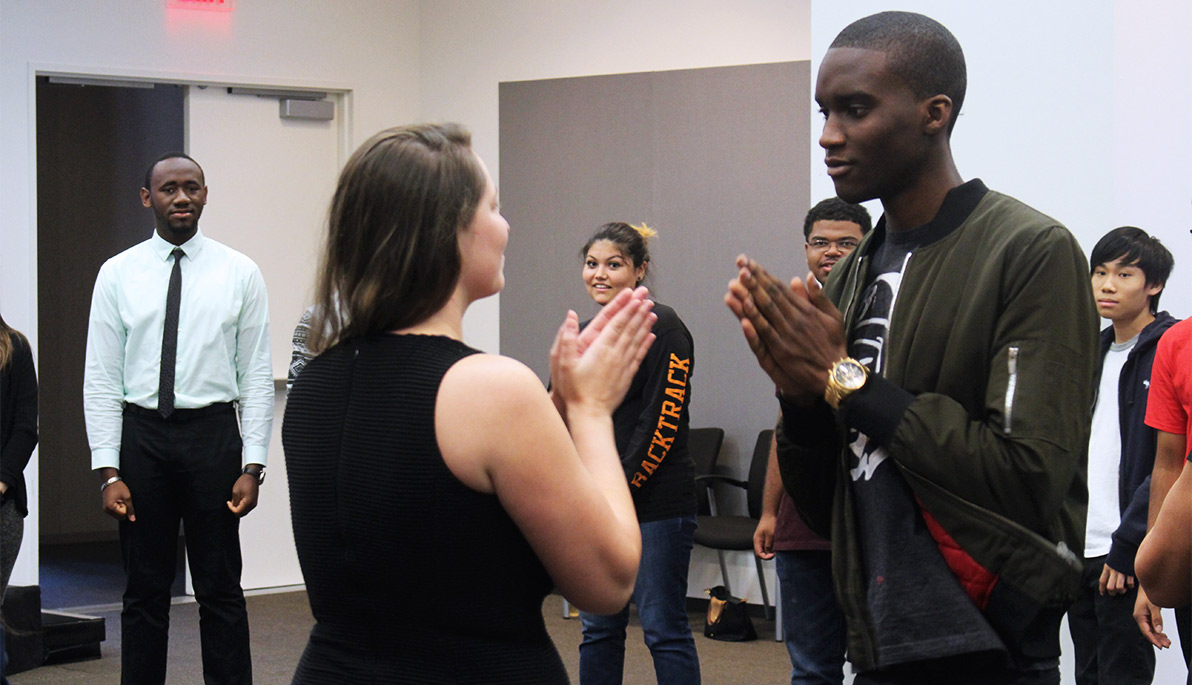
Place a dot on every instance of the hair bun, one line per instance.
(643, 230)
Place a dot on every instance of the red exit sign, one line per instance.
(217, 5)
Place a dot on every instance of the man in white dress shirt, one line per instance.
(177, 344)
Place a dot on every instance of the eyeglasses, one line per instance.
(844, 244)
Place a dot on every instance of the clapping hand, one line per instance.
(795, 332)
(593, 368)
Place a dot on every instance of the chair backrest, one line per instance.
(757, 472)
(703, 444)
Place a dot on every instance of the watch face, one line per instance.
(849, 375)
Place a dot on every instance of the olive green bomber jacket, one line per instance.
(984, 405)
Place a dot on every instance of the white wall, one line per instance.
(1066, 110)
(373, 51)
(1151, 155)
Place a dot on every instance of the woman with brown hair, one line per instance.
(437, 494)
(651, 427)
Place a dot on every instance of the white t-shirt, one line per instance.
(1105, 455)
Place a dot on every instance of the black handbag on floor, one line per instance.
(728, 617)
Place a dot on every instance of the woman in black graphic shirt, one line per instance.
(651, 427)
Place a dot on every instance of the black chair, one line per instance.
(703, 445)
(733, 533)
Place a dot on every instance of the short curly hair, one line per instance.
(835, 209)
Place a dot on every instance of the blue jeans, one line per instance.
(660, 594)
(812, 621)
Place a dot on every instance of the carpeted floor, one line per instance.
(280, 623)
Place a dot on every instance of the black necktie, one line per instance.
(169, 338)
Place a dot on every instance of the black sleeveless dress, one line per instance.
(412, 576)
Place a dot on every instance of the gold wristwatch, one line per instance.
(846, 377)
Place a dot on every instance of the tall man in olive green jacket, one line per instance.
(938, 393)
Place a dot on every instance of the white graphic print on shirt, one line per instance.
(868, 345)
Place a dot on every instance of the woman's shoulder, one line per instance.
(669, 322)
(489, 377)
(666, 314)
(486, 404)
(19, 341)
(22, 351)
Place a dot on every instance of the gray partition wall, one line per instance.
(715, 159)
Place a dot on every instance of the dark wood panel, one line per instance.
(93, 146)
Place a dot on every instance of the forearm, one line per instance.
(772, 493)
(1164, 562)
(1130, 531)
(300, 354)
(1024, 479)
(104, 420)
(254, 373)
(808, 444)
(14, 456)
(665, 392)
(256, 400)
(592, 434)
(256, 421)
(1170, 449)
(876, 409)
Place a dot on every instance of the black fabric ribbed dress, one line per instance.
(412, 576)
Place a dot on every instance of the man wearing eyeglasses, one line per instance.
(833, 228)
(813, 624)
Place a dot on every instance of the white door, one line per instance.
(269, 181)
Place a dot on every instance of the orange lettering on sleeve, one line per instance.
(671, 409)
(656, 457)
(664, 443)
(676, 363)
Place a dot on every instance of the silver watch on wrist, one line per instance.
(258, 473)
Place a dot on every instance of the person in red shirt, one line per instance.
(1169, 410)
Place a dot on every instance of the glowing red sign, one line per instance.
(216, 5)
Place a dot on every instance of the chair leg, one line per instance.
(724, 572)
(779, 636)
(761, 578)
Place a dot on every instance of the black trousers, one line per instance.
(982, 668)
(1183, 624)
(181, 470)
(1110, 649)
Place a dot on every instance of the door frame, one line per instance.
(27, 569)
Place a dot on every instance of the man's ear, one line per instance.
(937, 114)
(145, 202)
